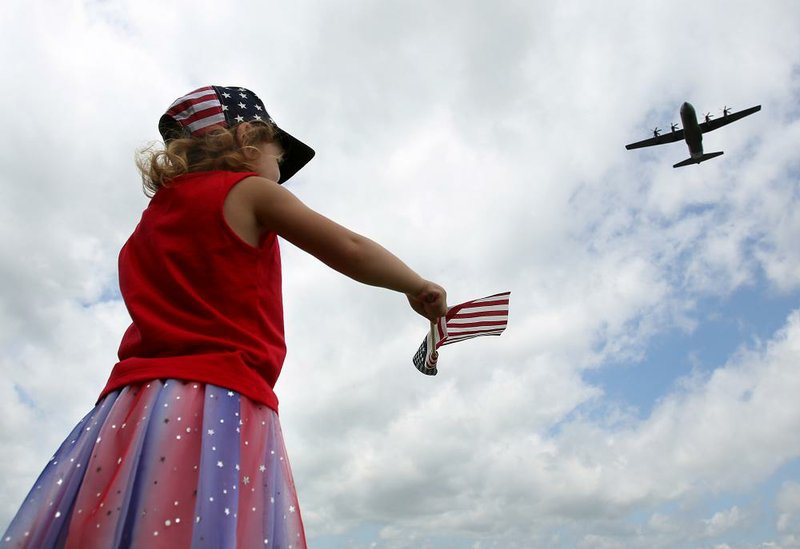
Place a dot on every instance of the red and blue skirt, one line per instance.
(168, 464)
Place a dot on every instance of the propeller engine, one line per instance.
(656, 132)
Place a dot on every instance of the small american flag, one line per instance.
(479, 317)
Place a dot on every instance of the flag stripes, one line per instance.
(198, 110)
(479, 317)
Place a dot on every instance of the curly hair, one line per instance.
(218, 149)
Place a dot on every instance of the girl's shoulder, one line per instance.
(209, 179)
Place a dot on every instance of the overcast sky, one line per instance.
(645, 393)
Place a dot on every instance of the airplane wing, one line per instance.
(715, 123)
(669, 137)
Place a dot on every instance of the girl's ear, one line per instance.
(240, 131)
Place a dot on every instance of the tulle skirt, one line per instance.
(168, 464)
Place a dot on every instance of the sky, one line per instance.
(645, 392)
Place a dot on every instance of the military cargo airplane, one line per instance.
(692, 132)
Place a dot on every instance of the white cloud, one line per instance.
(788, 507)
(722, 521)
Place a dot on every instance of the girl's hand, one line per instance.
(430, 301)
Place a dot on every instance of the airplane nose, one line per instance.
(686, 107)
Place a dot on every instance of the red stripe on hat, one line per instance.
(199, 115)
(183, 103)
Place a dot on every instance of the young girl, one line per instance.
(184, 447)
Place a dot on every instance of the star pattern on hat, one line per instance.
(241, 105)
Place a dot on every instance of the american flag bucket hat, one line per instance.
(198, 111)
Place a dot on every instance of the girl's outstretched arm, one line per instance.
(276, 209)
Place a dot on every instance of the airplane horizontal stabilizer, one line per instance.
(693, 160)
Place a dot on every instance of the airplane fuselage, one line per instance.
(691, 130)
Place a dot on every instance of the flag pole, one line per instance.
(434, 352)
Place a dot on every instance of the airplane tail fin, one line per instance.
(697, 160)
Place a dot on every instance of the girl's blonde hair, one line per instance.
(219, 149)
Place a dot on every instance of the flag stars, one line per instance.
(226, 95)
(230, 393)
(219, 464)
(211, 432)
(242, 105)
(240, 118)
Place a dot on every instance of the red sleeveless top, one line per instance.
(206, 306)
